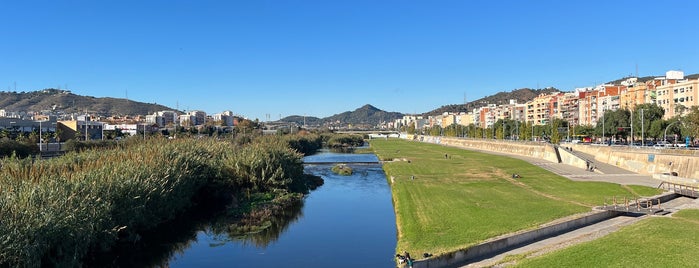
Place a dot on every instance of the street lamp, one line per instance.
(668, 126)
(41, 141)
(642, 138)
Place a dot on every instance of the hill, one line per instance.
(522, 95)
(67, 102)
(366, 115)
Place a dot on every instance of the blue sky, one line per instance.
(319, 58)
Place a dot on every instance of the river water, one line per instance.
(347, 222)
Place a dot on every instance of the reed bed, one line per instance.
(56, 211)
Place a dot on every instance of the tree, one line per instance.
(555, 133)
(656, 128)
(411, 128)
(691, 122)
(616, 123)
(642, 124)
(526, 131)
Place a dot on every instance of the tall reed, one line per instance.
(55, 211)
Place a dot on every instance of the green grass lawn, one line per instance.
(448, 199)
(654, 242)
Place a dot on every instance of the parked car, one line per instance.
(662, 145)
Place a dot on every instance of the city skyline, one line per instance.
(322, 58)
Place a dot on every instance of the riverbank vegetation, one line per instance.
(344, 140)
(447, 199)
(55, 212)
(342, 169)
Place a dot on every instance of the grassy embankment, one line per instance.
(54, 212)
(459, 198)
(654, 242)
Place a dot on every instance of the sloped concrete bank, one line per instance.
(501, 244)
(533, 149)
(646, 161)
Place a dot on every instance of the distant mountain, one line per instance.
(366, 115)
(300, 120)
(67, 102)
(522, 95)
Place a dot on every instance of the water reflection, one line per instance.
(347, 222)
(221, 231)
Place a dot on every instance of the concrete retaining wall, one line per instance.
(533, 149)
(646, 160)
(570, 159)
(499, 245)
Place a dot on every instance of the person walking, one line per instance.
(408, 259)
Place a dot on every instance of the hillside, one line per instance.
(367, 115)
(67, 102)
(521, 95)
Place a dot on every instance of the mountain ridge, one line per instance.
(68, 102)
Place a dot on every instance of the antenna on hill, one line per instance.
(636, 70)
(126, 93)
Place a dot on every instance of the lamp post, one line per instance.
(603, 140)
(665, 134)
(631, 142)
(642, 138)
(41, 142)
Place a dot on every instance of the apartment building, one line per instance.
(676, 98)
(225, 118)
(542, 108)
(568, 109)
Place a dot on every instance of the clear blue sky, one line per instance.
(320, 58)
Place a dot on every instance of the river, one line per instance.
(347, 222)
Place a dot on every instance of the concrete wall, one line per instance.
(499, 245)
(533, 149)
(570, 159)
(647, 161)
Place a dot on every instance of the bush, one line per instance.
(342, 169)
(19, 149)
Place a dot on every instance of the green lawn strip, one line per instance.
(644, 191)
(654, 242)
(689, 214)
(458, 198)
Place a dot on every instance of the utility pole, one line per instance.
(642, 138)
(631, 143)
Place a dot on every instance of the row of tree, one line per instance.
(644, 122)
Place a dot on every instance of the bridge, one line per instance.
(382, 132)
(346, 163)
(686, 190)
